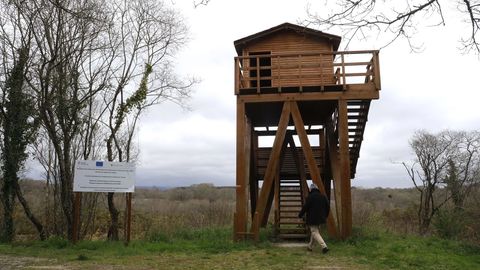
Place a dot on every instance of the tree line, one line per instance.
(446, 169)
(75, 78)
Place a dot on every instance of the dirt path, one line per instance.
(14, 262)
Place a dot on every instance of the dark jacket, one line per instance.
(316, 207)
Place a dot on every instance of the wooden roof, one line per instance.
(240, 44)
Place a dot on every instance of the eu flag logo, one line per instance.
(99, 163)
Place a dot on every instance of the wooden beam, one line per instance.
(241, 187)
(326, 180)
(346, 200)
(331, 143)
(76, 216)
(307, 151)
(277, 185)
(268, 207)
(128, 218)
(376, 70)
(253, 174)
(237, 76)
(272, 166)
(366, 91)
(273, 132)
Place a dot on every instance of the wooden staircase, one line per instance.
(289, 204)
(357, 119)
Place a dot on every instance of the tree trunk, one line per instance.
(38, 225)
(113, 229)
(8, 202)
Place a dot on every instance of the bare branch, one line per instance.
(395, 21)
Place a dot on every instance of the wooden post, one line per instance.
(241, 194)
(76, 216)
(237, 75)
(346, 200)
(253, 173)
(332, 149)
(342, 56)
(258, 75)
(128, 218)
(376, 70)
(312, 166)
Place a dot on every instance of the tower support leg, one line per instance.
(345, 184)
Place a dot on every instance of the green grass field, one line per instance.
(213, 249)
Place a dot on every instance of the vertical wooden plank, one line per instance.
(272, 166)
(128, 224)
(346, 200)
(300, 75)
(76, 216)
(343, 71)
(376, 69)
(258, 75)
(307, 151)
(268, 207)
(236, 75)
(332, 149)
(276, 182)
(241, 195)
(253, 173)
(325, 174)
(248, 157)
(322, 79)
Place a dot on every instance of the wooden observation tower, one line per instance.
(302, 107)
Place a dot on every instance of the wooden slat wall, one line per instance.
(295, 71)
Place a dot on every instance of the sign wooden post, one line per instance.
(128, 217)
(76, 216)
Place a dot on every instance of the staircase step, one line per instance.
(290, 199)
(290, 195)
(292, 222)
(289, 181)
(293, 236)
(289, 211)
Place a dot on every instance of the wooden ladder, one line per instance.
(289, 226)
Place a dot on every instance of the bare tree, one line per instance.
(67, 50)
(432, 152)
(463, 166)
(145, 36)
(394, 20)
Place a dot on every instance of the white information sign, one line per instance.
(103, 176)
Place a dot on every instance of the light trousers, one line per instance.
(315, 236)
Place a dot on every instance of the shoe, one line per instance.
(325, 250)
(309, 249)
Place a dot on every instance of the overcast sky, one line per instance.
(432, 90)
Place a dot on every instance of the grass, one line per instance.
(213, 249)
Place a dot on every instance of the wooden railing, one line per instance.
(342, 68)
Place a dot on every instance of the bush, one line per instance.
(451, 223)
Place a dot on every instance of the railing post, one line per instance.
(237, 75)
(376, 70)
(300, 77)
(322, 82)
(342, 57)
(278, 82)
(258, 75)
